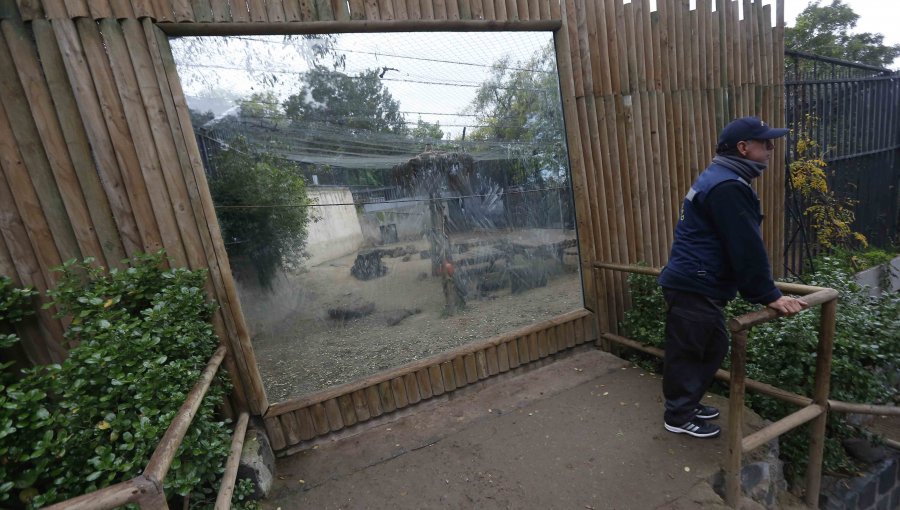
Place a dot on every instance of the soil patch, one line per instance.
(309, 332)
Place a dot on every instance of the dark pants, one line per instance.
(696, 344)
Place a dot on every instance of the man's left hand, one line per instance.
(786, 305)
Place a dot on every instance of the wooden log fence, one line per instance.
(813, 409)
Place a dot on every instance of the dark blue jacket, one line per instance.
(718, 248)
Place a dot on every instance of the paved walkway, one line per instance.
(582, 432)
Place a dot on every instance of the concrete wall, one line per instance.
(409, 218)
(879, 277)
(336, 231)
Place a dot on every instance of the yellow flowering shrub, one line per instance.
(829, 216)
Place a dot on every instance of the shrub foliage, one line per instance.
(263, 210)
(140, 339)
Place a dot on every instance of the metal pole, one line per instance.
(735, 418)
(820, 397)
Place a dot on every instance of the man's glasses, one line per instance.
(769, 144)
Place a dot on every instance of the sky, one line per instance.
(433, 75)
(876, 16)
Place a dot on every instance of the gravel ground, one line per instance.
(301, 350)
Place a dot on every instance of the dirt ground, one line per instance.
(300, 349)
(581, 432)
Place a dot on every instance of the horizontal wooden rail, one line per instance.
(766, 389)
(786, 424)
(722, 375)
(767, 314)
(625, 268)
(162, 457)
(847, 407)
(113, 496)
(336, 27)
(791, 288)
(226, 489)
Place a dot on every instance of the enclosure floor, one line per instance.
(582, 432)
(300, 350)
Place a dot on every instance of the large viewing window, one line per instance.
(384, 197)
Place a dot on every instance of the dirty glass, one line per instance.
(384, 197)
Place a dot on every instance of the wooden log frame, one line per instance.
(99, 158)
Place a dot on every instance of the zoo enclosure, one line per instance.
(99, 160)
(855, 113)
(813, 410)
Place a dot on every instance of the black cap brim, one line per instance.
(773, 133)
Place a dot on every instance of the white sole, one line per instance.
(679, 430)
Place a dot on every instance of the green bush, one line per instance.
(856, 260)
(140, 339)
(263, 210)
(865, 361)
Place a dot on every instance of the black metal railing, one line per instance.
(852, 113)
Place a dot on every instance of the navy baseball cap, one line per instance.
(747, 128)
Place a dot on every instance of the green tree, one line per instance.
(520, 104)
(353, 116)
(262, 209)
(261, 109)
(357, 104)
(825, 30)
(427, 131)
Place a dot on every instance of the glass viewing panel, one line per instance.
(384, 197)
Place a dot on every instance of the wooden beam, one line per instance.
(329, 27)
(162, 457)
(226, 489)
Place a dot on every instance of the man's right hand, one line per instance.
(786, 305)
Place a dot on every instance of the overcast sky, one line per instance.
(877, 16)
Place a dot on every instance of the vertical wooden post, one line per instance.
(735, 418)
(820, 397)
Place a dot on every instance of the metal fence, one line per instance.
(852, 112)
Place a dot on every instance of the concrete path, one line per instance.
(582, 432)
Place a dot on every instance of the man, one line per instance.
(718, 251)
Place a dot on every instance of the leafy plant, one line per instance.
(141, 337)
(830, 217)
(262, 209)
(859, 260)
(14, 306)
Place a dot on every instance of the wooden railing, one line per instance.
(813, 409)
(146, 490)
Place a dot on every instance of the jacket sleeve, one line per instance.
(735, 215)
